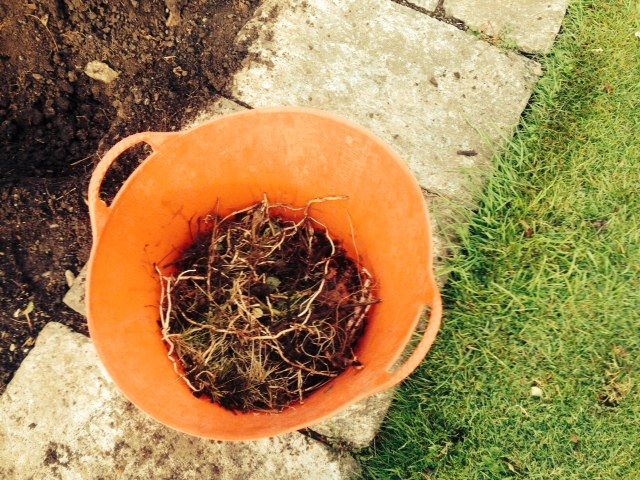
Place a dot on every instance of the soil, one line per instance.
(172, 58)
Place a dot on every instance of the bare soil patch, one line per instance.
(171, 58)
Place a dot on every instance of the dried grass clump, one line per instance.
(262, 311)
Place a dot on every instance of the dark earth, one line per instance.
(173, 58)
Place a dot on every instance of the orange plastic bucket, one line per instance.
(292, 155)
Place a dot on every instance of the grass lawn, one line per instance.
(545, 288)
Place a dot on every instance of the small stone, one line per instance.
(179, 71)
(536, 392)
(72, 76)
(74, 298)
(69, 277)
(37, 77)
(100, 71)
(12, 347)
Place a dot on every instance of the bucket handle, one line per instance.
(98, 209)
(389, 380)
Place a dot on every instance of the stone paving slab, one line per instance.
(75, 296)
(444, 99)
(61, 418)
(531, 24)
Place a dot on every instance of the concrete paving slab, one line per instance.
(531, 24)
(61, 418)
(444, 99)
(74, 298)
